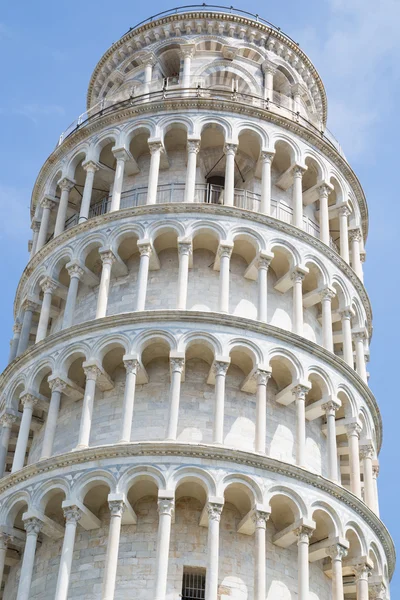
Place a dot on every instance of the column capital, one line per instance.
(214, 511)
(347, 313)
(360, 335)
(75, 270)
(362, 571)
(131, 365)
(187, 50)
(230, 149)
(184, 247)
(324, 189)
(220, 367)
(48, 285)
(17, 327)
(35, 226)
(225, 250)
(260, 518)
(300, 391)
(28, 400)
(72, 514)
(193, 146)
(297, 276)
(375, 469)
(107, 256)
(92, 372)
(264, 260)
(90, 166)
(57, 384)
(177, 364)
(367, 451)
(29, 304)
(155, 146)
(353, 429)
(166, 506)
(267, 156)
(355, 235)
(304, 533)
(148, 59)
(378, 591)
(269, 67)
(344, 211)
(121, 153)
(331, 407)
(66, 184)
(145, 248)
(8, 419)
(48, 202)
(32, 525)
(116, 507)
(5, 538)
(327, 293)
(262, 376)
(337, 552)
(299, 170)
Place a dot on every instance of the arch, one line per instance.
(203, 122)
(247, 347)
(347, 398)
(293, 363)
(97, 239)
(59, 260)
(141, 473)
(70, 354)
(49, 489)
(211, 72)
(110, 342)
(144, 339)
(298, 502)
(171, 122)
(248, 482)
(254, 238)
(129, 131)
(353, 531)
(193, 474)
(295, 152)
(13, 505)
(90, 480)
(286, 248)
(316, 262)
(332, 515)
(156, 229)
(322, 378)
(103, 139)
(43, 367)
(202, 226)
(208, 339)
(80, 155)
(246, 126)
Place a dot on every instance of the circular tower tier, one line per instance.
(186, 411)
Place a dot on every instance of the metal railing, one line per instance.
(205, 193)
(158, 91)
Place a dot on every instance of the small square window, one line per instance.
(193, 584)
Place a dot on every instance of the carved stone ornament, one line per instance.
(131, 365)
(337, 552)
(75, 271)
(220, 368)
(300, 392)
(260, 518)
(362, 572)
(33, 526)
(91, 372)
(144, 249)
(230, 149)
(304, 534)
(297, 276)
(57, 385)
(7, 420)
(116, 507)
(262, 376)
(193, 146)
(214, 511)
(72, 514)
(166, 506)
(225, 251)
(107, 257)
(29, 401)
(177, 364)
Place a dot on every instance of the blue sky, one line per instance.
(50, 49)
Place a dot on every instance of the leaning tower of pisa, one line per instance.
(186, 411)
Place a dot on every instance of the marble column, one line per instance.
(48, 286)
(15, 341)
(143, 275)
(90, 167)
(28, 402)
(193, 148)
(57, 386)
(7, 420)
(324, 236)
(298, 196)
(91, 373)
(346, 315)
(33, 527)
(177, 365)
(4, 540)
(355, 239)
(65, 186)
(344, 213)
(187, 52)
(121, 156)
(269, 71)
(299, 392)
(263, 266)
(220, 371)
(107, 259)
(184, 251)
(229, 191)
(261, 409)
(260, 519)
(337, 553)
(131, 367)
(29, 308)
(266, 161)
(303, 542)
(155, 148)
(327, 334)
(361, 368)
(72, 516)
(76, 274)
(165, 512)
(330, 409)
(367, 454)
(114, 532)
(297, 278)
(47, 205)
(375, 473)
(362, 572)
(35, 229)
(353, 436)
(214, 511)
(225, 253)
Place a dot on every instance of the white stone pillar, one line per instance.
(165, 511)
(362, 572)
(375, 473)
(7, 420)
(15, 341)
(229, 192)
(346, 315)
(193, 148)
(91, 373)
(4, 539)
(131, 367)
(90, 167)
(355, 239)
(72, 515)
(108, 259)
(367, 454)
(148, 61)
(261, 409)
(57, 387)
(298, 196)
(35, 228)
(361, 368)
(47, 205)
(269, 71)
(48, 286)
(187, 53)
(176, 365)
(29, 308)
(330, 409)
(225, 253)
(122, 156)
(263, 266)
(266, 161)
(220, 371)
(145, 252)
(327, 334)
(337, 553)
(184, 250)
(324, 236)
(155, 148)
(76, 274)
(344, 213)
(65, 186)
(353, 435)
(260, 519)
(299, 392)
(214, 511)
(114, 533)
(33, 527)
(28, 402)
(297, 278)
(303, 542)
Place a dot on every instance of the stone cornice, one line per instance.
(210, 318)
(214, 453)
(180, 104)
(177, 208)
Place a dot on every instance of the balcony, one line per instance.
(204, 194)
